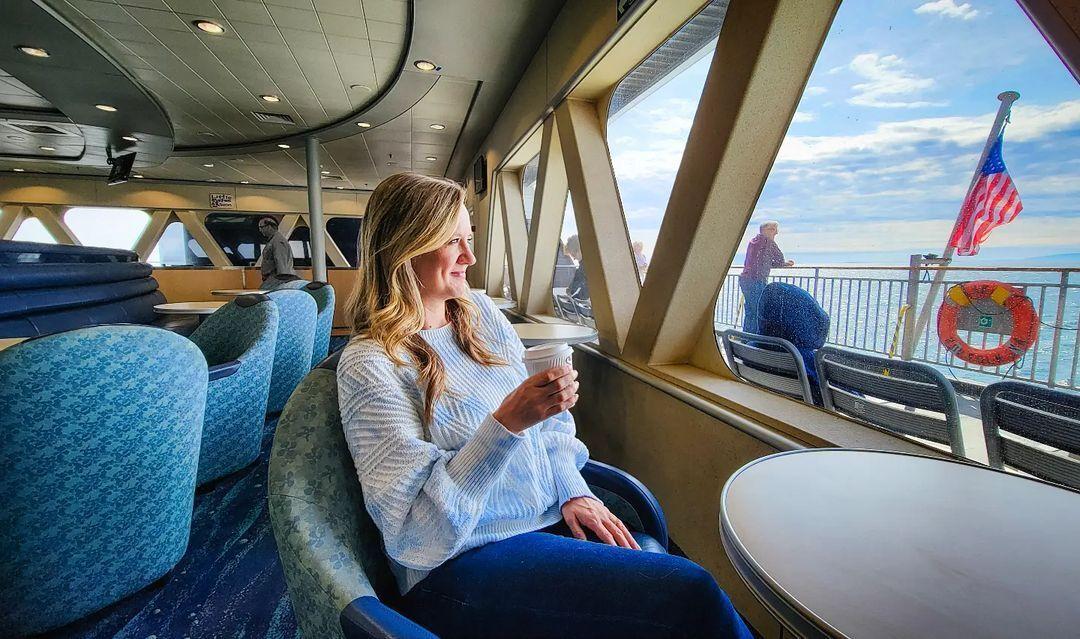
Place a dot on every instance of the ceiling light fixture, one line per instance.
(136, 175)
(37, 52)
(437, 127)
(209, 27)
(364, 125)
(209, 165)
(283, 146)
(326, 172)
(431, 158)
(425, 65)
(18, 170)
(131, 138)
(243, 182)
(108, 108)
(269, 98)
(340, 188)
(47, 148)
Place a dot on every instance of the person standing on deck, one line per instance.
(579, 286)
(277, 259)
(762, 255)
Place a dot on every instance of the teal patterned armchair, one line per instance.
(297, 315)
(324, 298)
(100, 429)
(238, 341)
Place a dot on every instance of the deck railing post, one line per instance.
(1059, 317)
(907, 348)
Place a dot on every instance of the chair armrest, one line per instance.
(633, 491)
(368, 618)
(223, 370)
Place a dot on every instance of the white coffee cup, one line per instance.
(545, 356)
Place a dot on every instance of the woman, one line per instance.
(470, 469)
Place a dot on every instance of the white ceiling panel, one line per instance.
(394, 11)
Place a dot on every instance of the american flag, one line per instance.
(992, 202)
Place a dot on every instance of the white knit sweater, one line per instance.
(475, 482)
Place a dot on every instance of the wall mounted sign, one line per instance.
(622, 6)
(221, 201)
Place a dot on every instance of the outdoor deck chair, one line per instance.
(770, 362)
(1048, 419)
(886, 393)
(584, 312)
(565, 307)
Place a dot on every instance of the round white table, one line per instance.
(502, 303)
(188, 308)
(236, 292)
(535, 334)
(849, 543)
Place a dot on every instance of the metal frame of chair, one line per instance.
(848, 380)
(779, 368)
(1046, 416)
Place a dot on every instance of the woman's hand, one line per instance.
(594, 515)
(544, 394)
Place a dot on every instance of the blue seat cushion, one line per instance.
(37, 275)
(12, 252)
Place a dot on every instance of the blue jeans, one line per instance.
(546, 584)
(751, 291)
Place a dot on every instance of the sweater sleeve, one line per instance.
(425, 501)
(565, 451)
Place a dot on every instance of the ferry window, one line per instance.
(529, 177)
(108, 227)
(871, 177)
(177, 248)
(238, 235)
(570, 289)
(649, 120)
(345, 231)
(300, 243)
(32, 230)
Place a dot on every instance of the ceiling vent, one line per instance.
(333, 177)
(273, 118)
(38, 129)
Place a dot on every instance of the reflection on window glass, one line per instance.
(238, 235)
(32, 230)
(345, 231)
(649, 121)
(529, 176)
(177, 248)
(108, 227)
(872, 174)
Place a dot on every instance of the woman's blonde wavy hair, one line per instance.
(408, 215)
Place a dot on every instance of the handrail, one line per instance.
(875, 267)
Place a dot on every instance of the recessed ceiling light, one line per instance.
(18, 170)
(211, 180)
(269, 98)
(106, 107)
(326, 172)
(47, 148)
(243, 182)
(136, 175)
(340, 188)
(364, 125)
(37, 52)
(131, 138)
(209, 27)
(209, 165)
(425, 65)
(283, 146)
(437, 127)
(431, 158)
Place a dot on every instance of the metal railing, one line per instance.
(869, 305)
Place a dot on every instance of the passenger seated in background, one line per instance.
(277, 259)
(579, 286)
(791, 313)
(470, 469)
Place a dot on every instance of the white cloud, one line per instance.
(815, 90)
(804, 116)
(949, 9)
(888, 84)
(1029, 122)
(659, 160)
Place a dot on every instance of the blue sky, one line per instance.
(885, 140)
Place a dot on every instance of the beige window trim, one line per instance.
(52, 218)
(193, 222)
(11, 218)
(549, 205)
(516, 237)
(151, 235)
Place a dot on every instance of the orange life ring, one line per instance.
(1025, 322)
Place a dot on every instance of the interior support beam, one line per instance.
(151, 235)
(517, 238)
(763, 58)
(495, 255)
(549, 205)
(333, 253)
(317, 224)
(11, 216)
(605, 247)
(52, 218)
(194, 225)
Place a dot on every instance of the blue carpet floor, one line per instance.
(228, 584)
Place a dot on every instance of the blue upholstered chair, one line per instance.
(238, 341)
(297, 315)
(791, 313)
(289, 285)
(331, 551)
(100, 429)
(324, 298)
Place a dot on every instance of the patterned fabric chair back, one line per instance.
(243, 330)
(100, 429)
(324, 298)
(330, 549)
(291, 285)
(297, 314)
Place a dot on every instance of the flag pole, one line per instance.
(1006, 99)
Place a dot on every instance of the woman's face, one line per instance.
(442, 272)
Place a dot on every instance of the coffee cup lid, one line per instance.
(544, 350)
